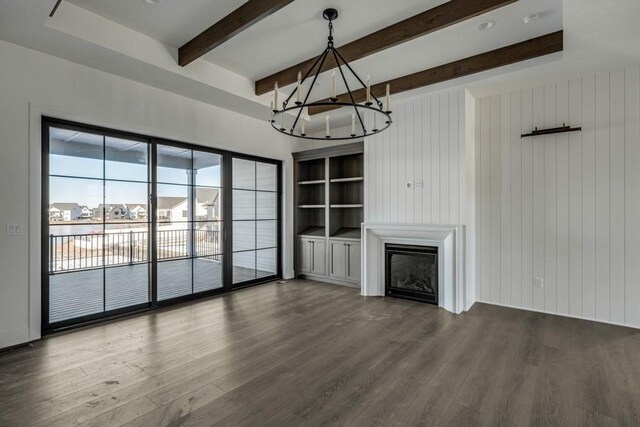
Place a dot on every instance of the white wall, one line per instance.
(31, 84)
(427, 143)
(564, 207)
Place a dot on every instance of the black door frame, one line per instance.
(227, 229)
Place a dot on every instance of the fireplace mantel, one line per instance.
(450, 242)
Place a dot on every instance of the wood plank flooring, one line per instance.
(306, 353)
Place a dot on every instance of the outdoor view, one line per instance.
(99, 223)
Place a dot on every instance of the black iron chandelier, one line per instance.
(379, 113)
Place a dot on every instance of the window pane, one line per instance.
(126, 286)
(125, 201)
(207, 273)
(266, 261)
(207, 169)
(174, 278)
(244, 174)
(173, 240)
(75, 247)
(266, 206)
(73, 200)
(266, 177)
(244, 266)
(75, 294)
(207, 239)
(267, 234)
(126, 160)
(73, 153)
(172, 202)
(174, 165)
(244, 235)
(244, 204)
(208, 204)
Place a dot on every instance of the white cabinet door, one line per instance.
(304, 256)
(318, 257)
(353, 261)
(337, 259)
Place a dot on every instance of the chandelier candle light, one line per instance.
(372, 104)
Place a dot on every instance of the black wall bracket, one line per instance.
(562, 129)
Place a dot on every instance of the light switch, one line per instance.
(539, 282)
(14, 229)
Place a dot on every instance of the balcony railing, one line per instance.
(73, 252)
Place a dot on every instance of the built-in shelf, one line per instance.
(347, 233)
(313, 232)
(318, 181)
(329, 200)
(353, 179)
(347, 206)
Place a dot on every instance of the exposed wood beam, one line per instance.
(529, 49)
(55, 8)
(237, 21)
(432, 20)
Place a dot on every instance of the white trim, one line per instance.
(586, 319)
(35, 218)
(450, 242)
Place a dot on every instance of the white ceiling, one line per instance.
(173, 22)
(298, 32)
(139, 41)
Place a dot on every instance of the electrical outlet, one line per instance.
(418, 184)
(14, 229)
(539, 282)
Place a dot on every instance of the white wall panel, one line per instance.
(424, 146)
(562, 207)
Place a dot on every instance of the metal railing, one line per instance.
(72, 252)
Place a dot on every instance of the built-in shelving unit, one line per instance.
(330, 210)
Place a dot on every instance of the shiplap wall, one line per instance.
(425, 143)
(564, 207)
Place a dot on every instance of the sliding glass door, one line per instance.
(255, 220)
(189, 224)
(132, 222)
(98, 227)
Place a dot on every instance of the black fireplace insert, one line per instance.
(411, 272)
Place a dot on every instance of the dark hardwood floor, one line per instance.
(305, 353)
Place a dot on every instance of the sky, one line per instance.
(69, 189)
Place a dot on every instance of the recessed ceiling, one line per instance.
(298, 31)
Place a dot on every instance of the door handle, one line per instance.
(313, 255)
(331, 259)
(348, 260)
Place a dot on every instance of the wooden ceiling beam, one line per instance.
(432, 20)
(529, 49)
(245, 16)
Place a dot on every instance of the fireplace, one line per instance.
(411, 272)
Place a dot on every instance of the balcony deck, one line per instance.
(80, 293)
